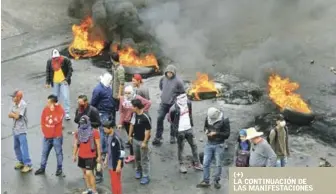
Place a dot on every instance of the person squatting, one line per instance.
(97, 141)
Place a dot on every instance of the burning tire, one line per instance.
(298, 118)
(221, 87)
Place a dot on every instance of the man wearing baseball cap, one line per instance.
(20, 126)
(141, 89)
(58, 76)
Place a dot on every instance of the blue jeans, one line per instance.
(162, 112)
(213, 151)
(21, 149)
(62, 90)
(281, 162)
(103, 118)
(49, 143)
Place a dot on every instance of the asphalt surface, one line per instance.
(28, 37)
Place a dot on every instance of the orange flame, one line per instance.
(129, 57)
(281, 92)
(201, 85)
(81, 45)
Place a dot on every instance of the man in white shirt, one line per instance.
(180, 116)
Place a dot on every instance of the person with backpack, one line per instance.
(242, 150)
(180, 117)
(217, 129)
(84, 108)
(126, 111)
(278, 139)
(115, 156)
(87, 150)
(52, 124)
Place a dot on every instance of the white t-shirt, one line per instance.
(184, 122)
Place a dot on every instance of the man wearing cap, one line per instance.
(118, 80)
(261, 154)
(58, 76)
(51, 124)
(18, 113)
(217, 129)
(141, 89)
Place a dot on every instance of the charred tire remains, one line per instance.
(298, 118)
(221, 87)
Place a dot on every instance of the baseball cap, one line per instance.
(18, 93)
(137, 77)
(55, 53)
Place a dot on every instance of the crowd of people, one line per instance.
(98, 143)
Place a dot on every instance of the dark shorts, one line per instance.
(87, 163)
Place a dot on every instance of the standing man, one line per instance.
(103, 101)
(118, 80)
(139, 136)
(170, 86)
(180, 117)
(278, 139)
(261, 154)
(217, 129)
(58, 76)
(18, 113)
(140, 88)
(51, 124)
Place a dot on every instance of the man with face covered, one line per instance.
(58, 76)
(51, 124)
(171, 86)
(278, 140)
(126, 110)
(180, 117)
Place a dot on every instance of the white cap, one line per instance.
(55, 54)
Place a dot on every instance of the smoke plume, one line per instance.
(244, 37)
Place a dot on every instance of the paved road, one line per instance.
(28, 37)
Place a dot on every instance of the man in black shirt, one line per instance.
(139, 135)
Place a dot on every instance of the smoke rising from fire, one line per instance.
(245, 37)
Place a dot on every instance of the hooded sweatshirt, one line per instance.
(216, 122)
(170, 87)
(180, 114)
(102, 98)
(126, 108)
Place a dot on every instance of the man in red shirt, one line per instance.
(51, 124)
(87, 146)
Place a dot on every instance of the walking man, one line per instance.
(51, 124)
(261, 154)
(139, 136)
(118, 80)
(278, 139)
(171, 86)
(58, 76)
(140, 88)
(20, 126)
(217, 129)
(180, 117)
(103, 101)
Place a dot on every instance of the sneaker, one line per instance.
(129, 159)
(138, 175)
(198, 166)
(59, 172)
(203, 184)
(67, 117)
(19, 166)
(89, 191)
(183, 169)
(172, 140)
(40, 171)
(157, 142)
(144, 180)
(26, 169)
(217, 185)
